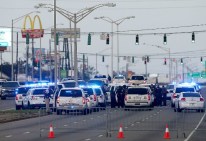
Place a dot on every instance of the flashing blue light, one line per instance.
(81, 86)
(94, 86)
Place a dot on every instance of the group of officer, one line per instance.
(118, 96)
(160, 94)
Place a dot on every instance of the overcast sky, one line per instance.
(177, 18)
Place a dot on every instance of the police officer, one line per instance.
(119, 96)
(164, 95)
(47, 97)
(159, 96)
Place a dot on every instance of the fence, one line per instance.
(108, 120)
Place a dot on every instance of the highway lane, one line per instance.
(149, 125)
(137, 125)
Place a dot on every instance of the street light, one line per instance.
(12, 40)
(167, 50)
(75, 18)
(117, 23)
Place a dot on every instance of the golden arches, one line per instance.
(32, 22)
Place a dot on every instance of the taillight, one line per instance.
(174, 95)
(125, 97)
(17, 98)
(201, 99)
(95, 97)
(83, 100)
(183, 99)
(58, 100)
(148, 97)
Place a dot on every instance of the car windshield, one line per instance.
(118, 77)
(10, 84)
(69, 84)
(71, 93)
(170, 86)
(184, 89)
(82, 83)
(39, 92)
(191, 95)
(137, 78)
(23, 90)
(140, 91)
(100, 76)
(89, 91)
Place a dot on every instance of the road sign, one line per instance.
(66, 32)
(3, 44)
(203, 74)
(196, 74)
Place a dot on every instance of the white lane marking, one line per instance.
(7, 109)
(8, 136)
(27, 132)
(84, 120)
(154, 114)
(65, 125)
(151, 116)
(195, 128)
(87, 139)
(132, 124)
(137, 122)
(125, 127)
(91, 118)
(100, 136)
(75, 122)
(42, 130)
(147, 118)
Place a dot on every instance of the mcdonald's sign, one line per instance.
(33, 33)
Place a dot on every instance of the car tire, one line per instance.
(18, 107)
(59, 112)
(175, 110)
(3, 98)
(178, 109)
(172, 105)
(84, 112)
(202, 110)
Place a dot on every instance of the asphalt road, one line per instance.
(104, 125)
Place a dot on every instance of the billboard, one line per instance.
(5, 37)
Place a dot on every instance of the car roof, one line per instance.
(74, 88)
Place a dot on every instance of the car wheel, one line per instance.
(175, 110)
(18, 107)
(59, 112)
(3, 98)
(178, 109)
(172, 105)
(202, 110)
(84, 112)
(29, 106)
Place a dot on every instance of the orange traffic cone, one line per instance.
(167, 134)
(51, 132)
(120, 134)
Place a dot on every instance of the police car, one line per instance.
(20, 94)
(92, 95)
(181, 88)
(73, 100)
(35, 98)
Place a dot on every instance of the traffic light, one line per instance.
(165, 61)
(193, 37)
(147, 58)
(107, 39)
(89, 39)
(165, 39)
(27, 38)
(201, 59)
(133, 59)
(181, 61)
(137, 40)
(57, 38)
(102, 58)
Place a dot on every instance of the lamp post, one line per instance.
(75, 18)
(167, 50)
(117, 23)
(13, 21)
